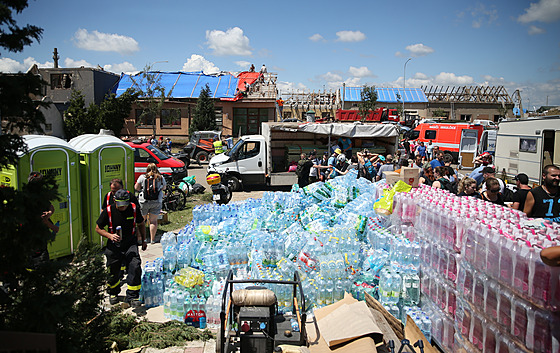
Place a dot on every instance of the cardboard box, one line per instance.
(163, 218)
(392, 177)
(356, 338)
(410, 176)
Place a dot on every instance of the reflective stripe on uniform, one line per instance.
(134, 287)
(114, 285)
(123, 268)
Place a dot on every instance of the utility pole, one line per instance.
(404, 89)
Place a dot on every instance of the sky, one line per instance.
(310, 45)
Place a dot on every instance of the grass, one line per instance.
(178, 219)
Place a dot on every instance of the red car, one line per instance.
(145, 153)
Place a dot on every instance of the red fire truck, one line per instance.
(457, 139)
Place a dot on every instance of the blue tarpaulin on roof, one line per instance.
(183, 84)
(388, 95)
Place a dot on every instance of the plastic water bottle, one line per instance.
(294, 324)
(166, 304)
(201, 313)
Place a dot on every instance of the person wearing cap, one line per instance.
(520, 195)
(332, 161)
(544, 201)
(487, 173)
(126, 228)
(387, 167)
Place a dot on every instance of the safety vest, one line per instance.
(218, 147)
(111, 229)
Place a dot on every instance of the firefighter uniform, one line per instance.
(124, 251)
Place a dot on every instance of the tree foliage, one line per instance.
(204, 117)
(368, 101)
(13, 37)
(110, 114)
(439, 113)
(150, 95)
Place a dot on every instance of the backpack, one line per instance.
(151, 189)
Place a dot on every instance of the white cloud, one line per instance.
(316, 38)
(285, 87)
(536, 30)
(543, 11)
(125, 67)
(198, 62)
(9, 65)
(360, 71)
(243, 64)
(230, 42)
(68, 62)
(450, 79)
(330, 76)
(483, 15)
(98, 41)
(350, 36)
(419, 49)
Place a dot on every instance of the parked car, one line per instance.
(145, 153)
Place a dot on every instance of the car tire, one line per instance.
(201, 157)
(234, 183)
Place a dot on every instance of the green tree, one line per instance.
(151, 95)
(204, 117)
(110, 114)
(368, 102)
(77, 119)
(439, 113)
(114, 110)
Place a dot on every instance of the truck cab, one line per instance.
(245, 163)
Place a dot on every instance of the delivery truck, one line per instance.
(266, 158)
(526, 146)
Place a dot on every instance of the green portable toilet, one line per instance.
(102, 158)
(53, 156)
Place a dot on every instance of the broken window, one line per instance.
(61, 81)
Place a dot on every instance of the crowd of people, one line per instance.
(164, 145)
(436, 170)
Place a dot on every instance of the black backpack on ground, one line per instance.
(151, 189)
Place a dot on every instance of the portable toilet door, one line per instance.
(102, 158)
(53, 156)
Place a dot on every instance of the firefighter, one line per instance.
(218, 146)
(122, 245)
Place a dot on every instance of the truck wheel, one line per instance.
(201, 157)
(234, 183)
(449, 155)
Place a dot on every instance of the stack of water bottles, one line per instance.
(482, 278)
(151, 292)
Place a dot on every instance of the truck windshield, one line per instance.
(235, 149)
(159, 154)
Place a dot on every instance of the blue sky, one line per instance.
(311, 45)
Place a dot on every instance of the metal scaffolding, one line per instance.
(470, 94)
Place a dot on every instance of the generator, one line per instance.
(250, 321)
